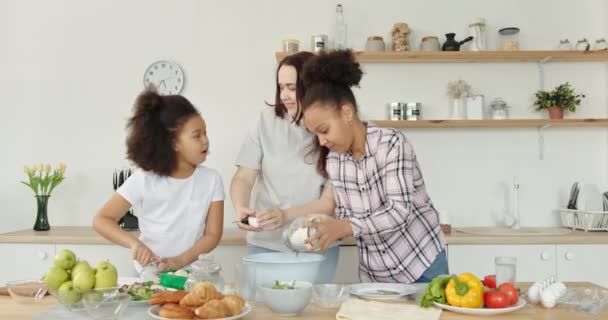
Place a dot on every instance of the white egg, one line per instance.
(253, 221)
(548, 298)
(534, 293)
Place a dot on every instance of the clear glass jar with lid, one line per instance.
(499, 109)
(509, 39)
(205, 269)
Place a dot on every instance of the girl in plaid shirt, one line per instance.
(379, 191)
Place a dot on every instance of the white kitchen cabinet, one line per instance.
(25, 261)
(534, 262)
(583, 263)
(120, 257)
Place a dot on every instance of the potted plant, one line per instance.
(557, 100)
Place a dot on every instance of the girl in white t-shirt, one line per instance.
(181, 202)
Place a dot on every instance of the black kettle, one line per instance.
(451, 44)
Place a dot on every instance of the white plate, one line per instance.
(381, 291)
(153, 312)
(483, 311)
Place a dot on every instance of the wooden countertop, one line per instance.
(86, 235)
(11, 310)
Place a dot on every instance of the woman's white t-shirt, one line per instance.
(280, 150)
(172, 211)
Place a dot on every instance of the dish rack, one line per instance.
(584, 220)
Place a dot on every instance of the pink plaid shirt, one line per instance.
(384, 198)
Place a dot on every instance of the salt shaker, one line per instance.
(600, 44)
(295, 234)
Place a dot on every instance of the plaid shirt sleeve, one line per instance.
(397, 182)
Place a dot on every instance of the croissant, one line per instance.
(202, 292)
(174, 311)
(213, 309)
(164, 297)
(234, 303)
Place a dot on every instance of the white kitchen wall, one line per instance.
(72, 69)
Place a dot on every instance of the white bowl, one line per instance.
(273, 266)
(287, 302)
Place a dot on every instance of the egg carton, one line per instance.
(584, 220)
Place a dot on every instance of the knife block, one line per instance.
(128, 221)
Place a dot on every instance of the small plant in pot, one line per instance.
(557, 100)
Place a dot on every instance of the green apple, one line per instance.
(68, 294)
(106, 275)
(84, 279)
(105, 264)
(81, 265)
(65, 259)
(55, 277)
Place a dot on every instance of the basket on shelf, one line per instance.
(584, 220)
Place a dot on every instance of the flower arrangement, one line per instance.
(459, 89)
(42, 179)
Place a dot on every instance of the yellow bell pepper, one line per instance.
(464, 291)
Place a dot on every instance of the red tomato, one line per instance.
(511, 292)
(489, 281)
(495, 299)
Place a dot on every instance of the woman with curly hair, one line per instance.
(182, 202)
(380, 194)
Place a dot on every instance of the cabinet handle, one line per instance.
(545, 256)
(42, 255)
(569, 256)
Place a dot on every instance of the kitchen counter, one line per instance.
(11, 310)
(86, 235)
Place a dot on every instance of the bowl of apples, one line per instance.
(70, 279)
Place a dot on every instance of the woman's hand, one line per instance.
(142, 254)
(173, 263)
(271, 219)
(243, 213)
(329, 230)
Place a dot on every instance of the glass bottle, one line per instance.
(582, 44)
(205, 269)
(564, 44)
(340, 28)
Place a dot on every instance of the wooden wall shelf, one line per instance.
(475, 56)
(512, 123)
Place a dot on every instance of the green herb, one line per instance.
(435, 292)
(284, 285)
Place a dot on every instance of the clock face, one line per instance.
(166, 77)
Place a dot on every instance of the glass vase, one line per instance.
(42, 218)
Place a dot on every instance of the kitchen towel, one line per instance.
(358, 309)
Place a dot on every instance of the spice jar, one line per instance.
(291, 45)
(319, 42)
(509, 39)
(429, 44)
(375, 43)
(295, 235)
(499, 109)
(396, 110)
(205, 270)
(582, 45)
